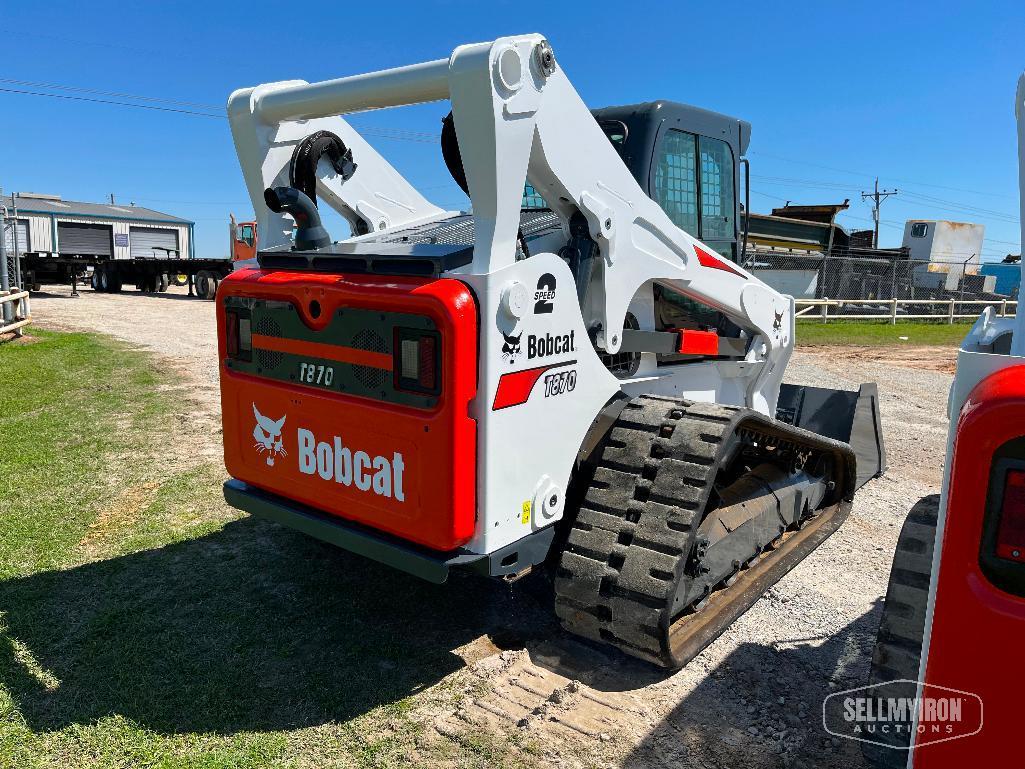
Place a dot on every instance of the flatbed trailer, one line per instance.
(110, 275)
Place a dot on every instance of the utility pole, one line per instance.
(112, 199)
(877, 197)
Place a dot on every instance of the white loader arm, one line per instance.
(517, 117)
(375, 198)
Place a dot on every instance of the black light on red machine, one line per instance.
(238, 334)
(416, 361)
(1011, 530)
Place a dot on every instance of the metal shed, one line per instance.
(19, 226)
(49, 225)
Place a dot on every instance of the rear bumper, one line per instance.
(429, 565)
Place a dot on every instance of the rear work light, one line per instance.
(416, 361)
(1011, 531)
(238, 334)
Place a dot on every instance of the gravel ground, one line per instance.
(754, 697)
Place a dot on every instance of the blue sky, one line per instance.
(919, 93)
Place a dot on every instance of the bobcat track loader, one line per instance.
(580, 384)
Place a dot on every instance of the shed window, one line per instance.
(919, 230)
(676, 180)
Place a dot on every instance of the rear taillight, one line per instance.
(238, 335)
(1011, 530)
(427, 376)
(416, 361)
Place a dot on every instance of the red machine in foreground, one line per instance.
(954, 618)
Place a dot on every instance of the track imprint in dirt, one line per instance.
(509, 690)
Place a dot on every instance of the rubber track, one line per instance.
(631, 538)
(898, 650)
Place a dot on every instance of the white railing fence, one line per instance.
(20, 316)
(893, 310)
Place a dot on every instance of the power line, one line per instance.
(97, 92)
(863, 174)
(966, 207)
(916, 198)
(381, 132)
(187, 202)
(810, 183)
(108, 101)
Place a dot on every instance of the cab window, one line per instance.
(246, 234)
(532, 201)
(676, 180)
(717, 199)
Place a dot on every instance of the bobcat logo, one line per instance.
(267, 434)
(777, 324)
(511, 347)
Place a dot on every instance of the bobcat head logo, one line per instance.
(511, 346)
(267, 435)
(777, 324)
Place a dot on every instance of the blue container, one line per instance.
(1008, 277)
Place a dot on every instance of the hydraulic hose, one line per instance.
(309, 233)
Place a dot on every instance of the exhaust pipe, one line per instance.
(310, 233)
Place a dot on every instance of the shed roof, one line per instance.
(74, 208)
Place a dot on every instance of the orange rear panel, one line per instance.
(352, 445)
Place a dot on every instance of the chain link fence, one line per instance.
(13, 269)
(866, 283)
(14, 307)
(11, 252)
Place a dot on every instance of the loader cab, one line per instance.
(688, 161)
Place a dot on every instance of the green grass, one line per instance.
(63, 416)
(874, 333)
(144, 623)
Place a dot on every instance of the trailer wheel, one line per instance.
(103, 281)
(206, 284)
(180, 280)
(161, 282)
(898, 649)
(94, 280)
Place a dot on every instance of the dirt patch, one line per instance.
(12, 338)
(752, 698)
(930, 358)
(116, 517)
